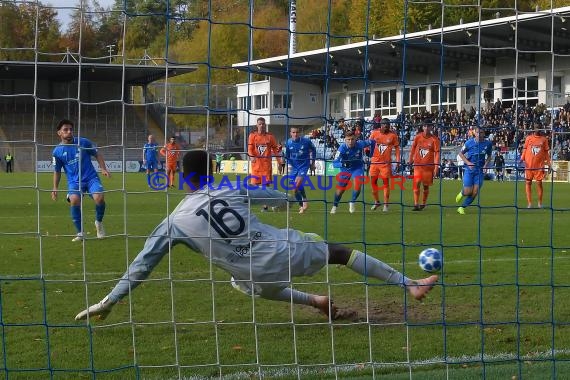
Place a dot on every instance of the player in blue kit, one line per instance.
(150, 155)
(476, 154)
(73, 155)
(350, 158)
(300, 153)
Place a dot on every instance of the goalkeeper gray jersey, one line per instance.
(220, 225)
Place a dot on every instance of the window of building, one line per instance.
(414, 99)
(359, 104)
(244, 103)
(444, 96)
(522, 90)
(385, 103)
(260, 102)
(282, 101)
(335, 105)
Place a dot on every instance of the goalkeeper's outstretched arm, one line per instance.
(156, 246)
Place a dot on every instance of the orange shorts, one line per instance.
(534, 174)
(423, 175)
(171, 168)
(380, 171)
(260, 178)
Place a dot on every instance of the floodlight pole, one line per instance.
(110, 47)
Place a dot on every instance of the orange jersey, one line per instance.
(425, 150)
(385, 143)
(261, 147)
(171, 152)
(535, 152)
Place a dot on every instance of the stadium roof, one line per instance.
(94, 72)
(528, 34)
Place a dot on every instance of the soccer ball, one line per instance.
(430, 260)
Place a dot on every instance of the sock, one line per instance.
(288, 295)
(528, 190)
(416, 196)
(336, 199)
(371, 267)
(467, 201)
(355, 194)
(299, 197)
(99, 212)
(303, 193)
(386, 192)
(76, 217)
(374, 183)
(540, 191)
(425, 196)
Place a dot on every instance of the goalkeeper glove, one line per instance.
(99, 310)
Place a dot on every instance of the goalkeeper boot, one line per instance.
(99, 310)
(78, 237)
(461, 210)
(351, 207)
(419, 288)
(333, 210)
(100, 230)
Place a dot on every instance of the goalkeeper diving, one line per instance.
(261, 259)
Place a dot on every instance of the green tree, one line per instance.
(18, 30)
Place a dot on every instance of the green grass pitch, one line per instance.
(500, 310)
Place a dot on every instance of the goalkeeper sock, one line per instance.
(287, 295)
(76, 217)
(99, 211)
(372, 267)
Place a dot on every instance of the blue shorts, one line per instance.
(151, 165)
(473, 177)
(346, 175)
(297, 172)
(89, 187)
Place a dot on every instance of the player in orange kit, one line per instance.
(424, 157)
(261, 148)
(381, 161)
(535, 154)
(171, 151)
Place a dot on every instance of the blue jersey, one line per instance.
(150, 150)
(477, 152)
(298, 152)
(69, 156)
(351, 159)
